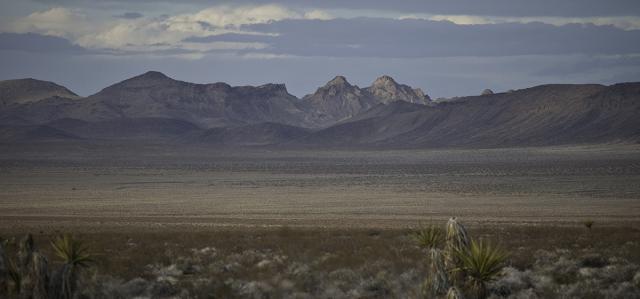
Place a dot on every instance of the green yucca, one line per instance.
(481, 263)
(72, 251)
(429, 237)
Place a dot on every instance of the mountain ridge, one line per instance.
(153, 106)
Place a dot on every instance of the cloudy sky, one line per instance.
(446, 47)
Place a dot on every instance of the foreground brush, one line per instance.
(464, 267)
(29, 274)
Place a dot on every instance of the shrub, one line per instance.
(429, 237)
(481, 263)
(72, 251)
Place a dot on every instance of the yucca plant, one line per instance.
(481, 263)
(437, 281)
(456, 239)
(72, 251)
(75, 255)
(429, 237)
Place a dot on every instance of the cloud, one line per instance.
(31, 42)
(513, 8)
(626, 22)
(377, 37)
(135, 32)
(57, 21)
(130, 15)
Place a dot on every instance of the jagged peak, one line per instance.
(339, 81)
(383, 80)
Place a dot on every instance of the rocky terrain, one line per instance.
(386, 114)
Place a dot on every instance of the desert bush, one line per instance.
(75, 256)
(457, 240)
(429, 237)
(463, 264)
(481, 263)
(72, 251)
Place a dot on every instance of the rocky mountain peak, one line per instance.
(386, 90)
(384, 81)
(338, 81)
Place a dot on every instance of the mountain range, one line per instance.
(154, 107)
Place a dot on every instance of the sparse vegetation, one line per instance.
(588, 224)
(463, 265)
(544, 262)
(481, 263)
(29, 275)
(72, 251)
(429, 237)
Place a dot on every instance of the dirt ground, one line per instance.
(111, 187)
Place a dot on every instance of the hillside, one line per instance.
(155, 107)
(22, 91)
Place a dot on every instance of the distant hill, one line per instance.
(542, 115)
(154, 95)
(22, 91)
(386, 114)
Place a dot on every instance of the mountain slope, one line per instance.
(250, 135)
(32, 133)
(542, 115)
(153, 106)
(154, 95)
(22, 91)
(160, 129)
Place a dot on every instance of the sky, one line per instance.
(445, 47)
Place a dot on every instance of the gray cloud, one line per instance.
(377, 37)
(31, 42)
(130, 15)
(567, 8)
